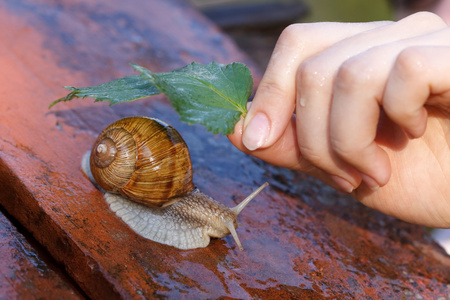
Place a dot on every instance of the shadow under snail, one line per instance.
(144, 168)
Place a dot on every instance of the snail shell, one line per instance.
(143, 159)
(143, 166)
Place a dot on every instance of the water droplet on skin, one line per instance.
(302, 102)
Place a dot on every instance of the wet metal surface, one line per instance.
(300, 238)
(23, 273)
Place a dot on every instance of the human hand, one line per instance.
(336, 77)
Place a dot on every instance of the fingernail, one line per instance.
(345, 185)
(257, 132)
(370, 182)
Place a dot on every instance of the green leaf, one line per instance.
(213, 95)
(121, 90)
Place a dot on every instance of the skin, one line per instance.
(365, 108)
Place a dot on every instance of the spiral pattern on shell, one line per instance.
(143, 159)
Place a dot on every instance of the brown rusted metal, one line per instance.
(24, 274)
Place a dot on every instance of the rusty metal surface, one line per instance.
(24, 274)
(301, 239)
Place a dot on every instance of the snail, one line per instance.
(144, 168)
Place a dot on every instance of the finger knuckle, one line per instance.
(273, 88)
(299, 36)
(353, 73)
(408, 64)
(293, 32)
(310, 74)
(311, 155)
(343, 148)
(425, 18)
(290, 31)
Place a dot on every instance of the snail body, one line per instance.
(144, 168)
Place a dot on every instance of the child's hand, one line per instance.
(372, 112)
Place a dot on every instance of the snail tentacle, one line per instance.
(233, 232)
(238, 208)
